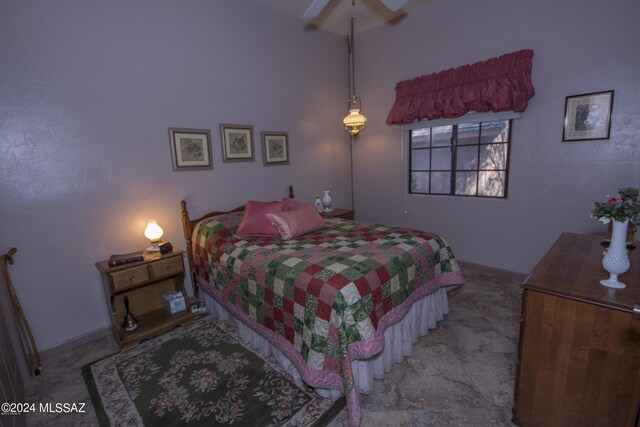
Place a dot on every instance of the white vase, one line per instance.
(326, 201)
(616, 258)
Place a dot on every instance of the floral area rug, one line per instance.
(200, 375)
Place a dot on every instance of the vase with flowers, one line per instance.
(619, 211)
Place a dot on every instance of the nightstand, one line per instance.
(340, 213)
(144, 283)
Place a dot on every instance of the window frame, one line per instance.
(470, 118)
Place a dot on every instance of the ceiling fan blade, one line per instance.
(315, 8)
(394, 5)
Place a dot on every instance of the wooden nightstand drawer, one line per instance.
(129, 277)
(166, 267)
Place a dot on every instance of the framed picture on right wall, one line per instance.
(588, 116)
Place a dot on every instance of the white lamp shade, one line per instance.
(354, 122)
(153, 232)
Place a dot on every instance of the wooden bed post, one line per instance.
(188, 232)
(291, 196)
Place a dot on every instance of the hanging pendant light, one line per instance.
(355, 121)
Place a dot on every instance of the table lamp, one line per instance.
(153, 232)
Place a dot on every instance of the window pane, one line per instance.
(420, 159)
(491, 184)
(420, 182)
(420, 138)
(493, 156)
(441, 158)
(440, 183)
(495, 131)
(468, 133)
(441, 136)
(481, 154)
(467, 158)
(466, 183)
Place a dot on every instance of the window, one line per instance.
(468, 158)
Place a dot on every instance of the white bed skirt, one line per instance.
(398, 340)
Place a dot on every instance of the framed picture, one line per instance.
(237, 143)
(190, 149)
(588, 116)
(275, 148)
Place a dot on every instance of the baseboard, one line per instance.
(75, 342)
(493, 270)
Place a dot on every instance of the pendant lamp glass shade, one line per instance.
(355, 121)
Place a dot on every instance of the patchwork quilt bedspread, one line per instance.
(323, 298)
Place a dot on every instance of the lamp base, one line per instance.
(153, 248)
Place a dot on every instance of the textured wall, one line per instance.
(87, 92)
(580, 47)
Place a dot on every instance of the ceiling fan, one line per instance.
(317, 5)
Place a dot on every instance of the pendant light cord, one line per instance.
(351, 64)
(352, 95)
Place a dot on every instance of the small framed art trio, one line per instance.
(191, 148)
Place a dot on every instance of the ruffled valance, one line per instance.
(497, 84)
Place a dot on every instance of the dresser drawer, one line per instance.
(166, 267)
(129, 277)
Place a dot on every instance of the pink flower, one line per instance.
(612, 202)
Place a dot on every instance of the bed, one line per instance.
(336, 306)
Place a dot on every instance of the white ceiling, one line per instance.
(335, 17)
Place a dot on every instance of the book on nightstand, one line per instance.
(121, 259)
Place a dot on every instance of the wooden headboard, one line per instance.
(188, 225)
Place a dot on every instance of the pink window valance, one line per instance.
(497, 84)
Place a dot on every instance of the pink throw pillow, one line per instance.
(255, 223)
(292, 204)
(297, 222)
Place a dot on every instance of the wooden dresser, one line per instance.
(579, 350)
